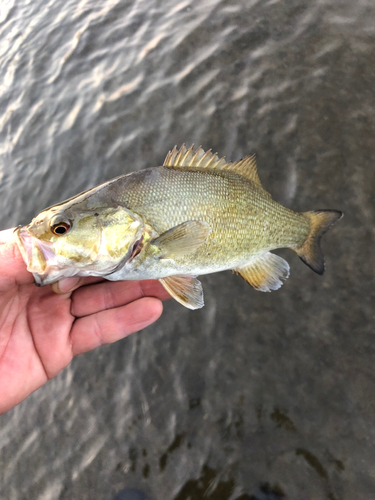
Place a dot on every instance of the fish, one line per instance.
(196, 214)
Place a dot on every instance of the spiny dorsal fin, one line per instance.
(265, 272)
(187, 290)
(187, 157)
(184, 157)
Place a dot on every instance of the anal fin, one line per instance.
(187, 290)
(265, 272)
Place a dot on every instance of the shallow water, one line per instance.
(256, 396)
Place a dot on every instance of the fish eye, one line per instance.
(61, 228)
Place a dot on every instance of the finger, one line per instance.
(111, 325)
(67, 285)
(94, 298)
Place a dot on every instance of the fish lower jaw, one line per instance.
(50, 277)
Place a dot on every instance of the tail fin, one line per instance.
(310, 252)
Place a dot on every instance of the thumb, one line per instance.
(66, 285)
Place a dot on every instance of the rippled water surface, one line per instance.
(256, 396)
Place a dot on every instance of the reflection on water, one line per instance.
(257, 396)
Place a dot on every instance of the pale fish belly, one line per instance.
(169, 267)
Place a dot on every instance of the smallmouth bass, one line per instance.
(196, 214)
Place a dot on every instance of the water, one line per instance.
(256, 396)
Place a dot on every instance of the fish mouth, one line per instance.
(38, 256)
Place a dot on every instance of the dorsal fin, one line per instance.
(187, 157)
(246, 167)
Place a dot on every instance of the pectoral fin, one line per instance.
(187, 290)
(182, 239)
(265, 272)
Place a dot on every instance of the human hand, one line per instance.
(41, 331)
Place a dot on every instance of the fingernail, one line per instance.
(65, 285)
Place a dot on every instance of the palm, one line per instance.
(41, 331)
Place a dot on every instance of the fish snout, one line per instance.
(36, 253)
